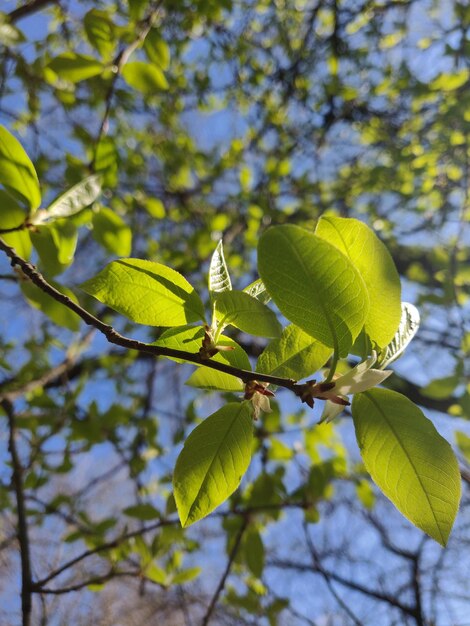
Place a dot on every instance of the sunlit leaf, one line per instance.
(75, 67)
(11, 216)
(145, 77)
(17, 173)
(213, 461)
(408, 459)
(294, 355)
(314, 285)
(375, 264)
(147, 293)
(239, 309)
(258, 290)
(112, 232)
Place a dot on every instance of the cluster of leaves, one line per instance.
(338, 287)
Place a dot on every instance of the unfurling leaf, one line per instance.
(407, 458)
(72, 201)
(407, 329)
(213, 461)
(219, 277)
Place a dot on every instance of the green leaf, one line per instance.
(112, 232)
(211, 465)
(72, 201)
(147, 293)
(409, 461)
(463, 443)
(186, 575)
(55, 243)
(146, 78)
(156, 574)
(75, 67)
(314, 285)
(254, 552)
(407, 329)
(207, 378)
(258, 290)
(56, 311)
(100, 32)
(375, 264)
(294, 355)
(246, 313)
(142, 511)
(11, 216)
(157, 49)
(17, 173)
(219, 278)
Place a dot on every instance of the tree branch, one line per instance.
(132, 344)
(223, 580)
(17, 479)
(28, 9)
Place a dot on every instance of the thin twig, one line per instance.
(223, 580)
(118, 64)
(17, 479)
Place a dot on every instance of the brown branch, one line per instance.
(132, 344)
(23, 538)
(223, 580)
(28, 9)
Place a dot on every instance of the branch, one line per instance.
(116, 338)
(17, 479)
(223, 580)
(28, 9)
(118, 64)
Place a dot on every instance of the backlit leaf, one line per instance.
(112, 232)
(294, 355)
(407, 329)
(17, 173)
(75, 67)
(213, 461)
(72, 201)
(375, 264)
(145, 77)
(314, 285)
(408, 459)
(147, 293)
(246, 313)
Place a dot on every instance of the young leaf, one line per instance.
(258, 290)
(112, 232)
(246, 313)
(189, 338)
(219, 278)
(211, 465)
(409, 461)
(75, 67)
(407, 329)
(17, 173)
(294, 355)
(157, 49)
(147, 293)
(72, 201)
(375, 264)
(314, 285)
(145, 77)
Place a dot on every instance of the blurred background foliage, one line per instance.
(211, 119)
